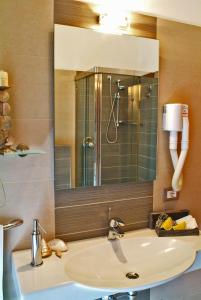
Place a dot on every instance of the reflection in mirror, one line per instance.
(105, 127)
(2, 194)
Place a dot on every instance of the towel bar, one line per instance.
(13, 224)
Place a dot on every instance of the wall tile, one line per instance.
(33, 132)
(80, 196)
(26, 54)
(20, 99)
(30, 168)
(28, 200)
(24, 69)
(95, 216)
(33, 35)
(180, 73)
(84, 212)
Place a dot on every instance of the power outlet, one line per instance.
(169, 194)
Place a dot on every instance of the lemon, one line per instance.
(180, 226)
(167, 224)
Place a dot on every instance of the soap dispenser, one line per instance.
(36, 251)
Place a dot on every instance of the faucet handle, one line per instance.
(115, 222)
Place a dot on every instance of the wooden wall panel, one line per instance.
(74, 13)
(84, 212)
(79, 14)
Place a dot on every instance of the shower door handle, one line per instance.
(88, 142)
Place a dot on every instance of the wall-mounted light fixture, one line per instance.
(110, 22)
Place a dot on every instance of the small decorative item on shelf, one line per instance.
(6, 146)
(3, 80)
(5, 119)
(22, 149)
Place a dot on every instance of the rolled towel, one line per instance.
(190, 222)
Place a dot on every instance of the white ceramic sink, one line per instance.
(94, 268)
(154, 259)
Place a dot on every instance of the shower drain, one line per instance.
(132, 275)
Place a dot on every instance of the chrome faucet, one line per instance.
(115, 229)
(36, 251)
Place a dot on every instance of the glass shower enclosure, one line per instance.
(116, 122)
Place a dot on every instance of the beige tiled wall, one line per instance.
(64, 82)
(180, 73)
(64, 85)
(26, 31)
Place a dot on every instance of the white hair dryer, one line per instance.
(175, 119)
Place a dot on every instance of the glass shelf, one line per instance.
(23, 153)
(3, 88)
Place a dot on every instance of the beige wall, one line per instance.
(26, 31)
(64, 107)
(64, 84)
(180, 81)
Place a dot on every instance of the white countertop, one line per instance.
(52, 273)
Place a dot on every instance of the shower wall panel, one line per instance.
(119, 160)
(85, 127)
(148, 129)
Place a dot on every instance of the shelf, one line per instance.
(3, 88)
(23, 153)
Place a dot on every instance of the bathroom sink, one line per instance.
(94, 268)
(130, 263)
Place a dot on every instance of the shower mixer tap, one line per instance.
(120, 87)
(115, 229)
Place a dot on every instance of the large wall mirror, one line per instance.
(105, 116)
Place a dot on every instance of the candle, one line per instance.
(3, 79)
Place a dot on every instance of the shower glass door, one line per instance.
(116, 122)
(85, 131)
